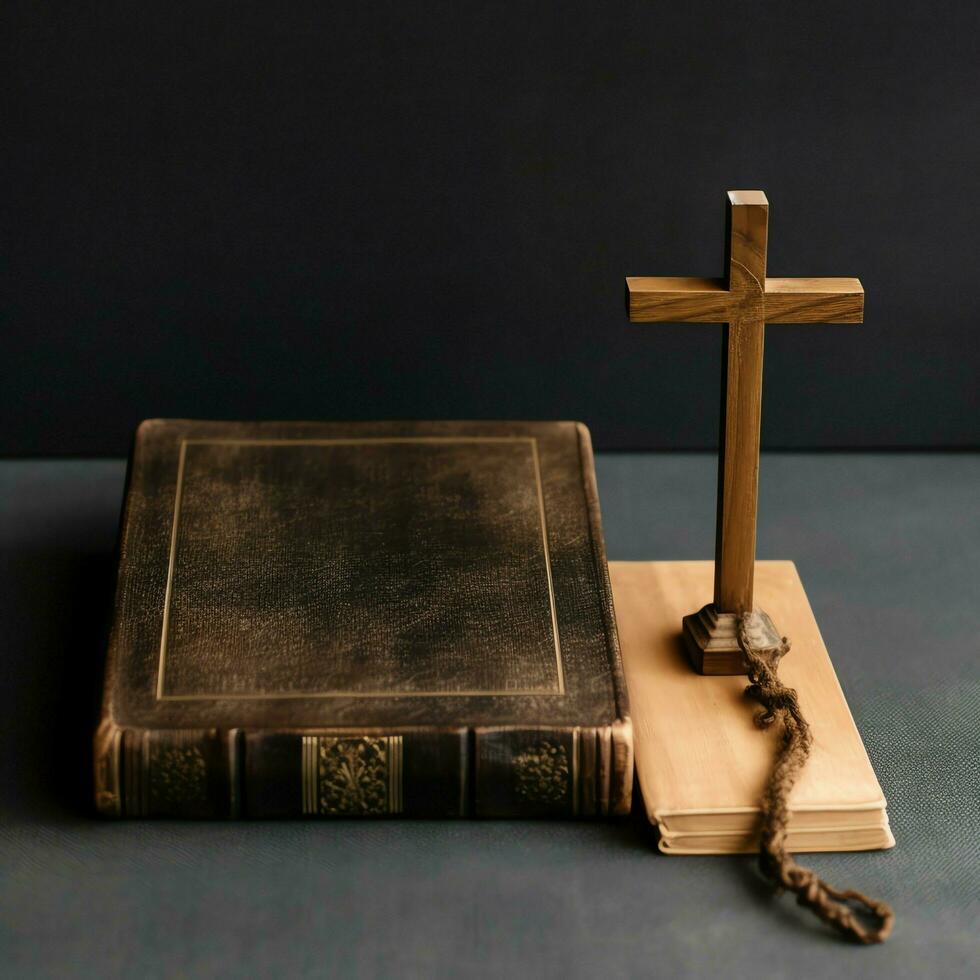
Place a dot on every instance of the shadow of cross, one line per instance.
(746, 300)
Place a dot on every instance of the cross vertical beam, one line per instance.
(741, 401)
(744, 300)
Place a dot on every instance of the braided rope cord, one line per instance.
(837, 907)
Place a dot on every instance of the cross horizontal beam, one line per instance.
(688, 299)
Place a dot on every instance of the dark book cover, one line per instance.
(362, 619)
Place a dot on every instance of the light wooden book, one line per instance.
(701, 761)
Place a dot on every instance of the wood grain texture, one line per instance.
(741, 394)
(835, 300)
(670, 299)
(745, 300)
(692, 299)
(700, 759)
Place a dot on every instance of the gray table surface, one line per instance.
(889, 549)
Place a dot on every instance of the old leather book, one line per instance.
(346, 619)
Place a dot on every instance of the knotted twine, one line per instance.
(780, 703)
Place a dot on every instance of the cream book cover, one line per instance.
(701, 760)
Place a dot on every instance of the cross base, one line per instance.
(711, 639)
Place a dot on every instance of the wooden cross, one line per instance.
(745, 301)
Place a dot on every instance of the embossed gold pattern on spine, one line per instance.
(395, 751)
(309, 774)
(178, 776)
(344, 776)
(576, 772)
(605, 770)
(541, 773)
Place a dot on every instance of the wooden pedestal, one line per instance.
(701, 761)
(711, 639)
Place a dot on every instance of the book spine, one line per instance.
(482, 772)
(552, 772)
(621, 748)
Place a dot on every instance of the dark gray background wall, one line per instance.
(393, 209)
